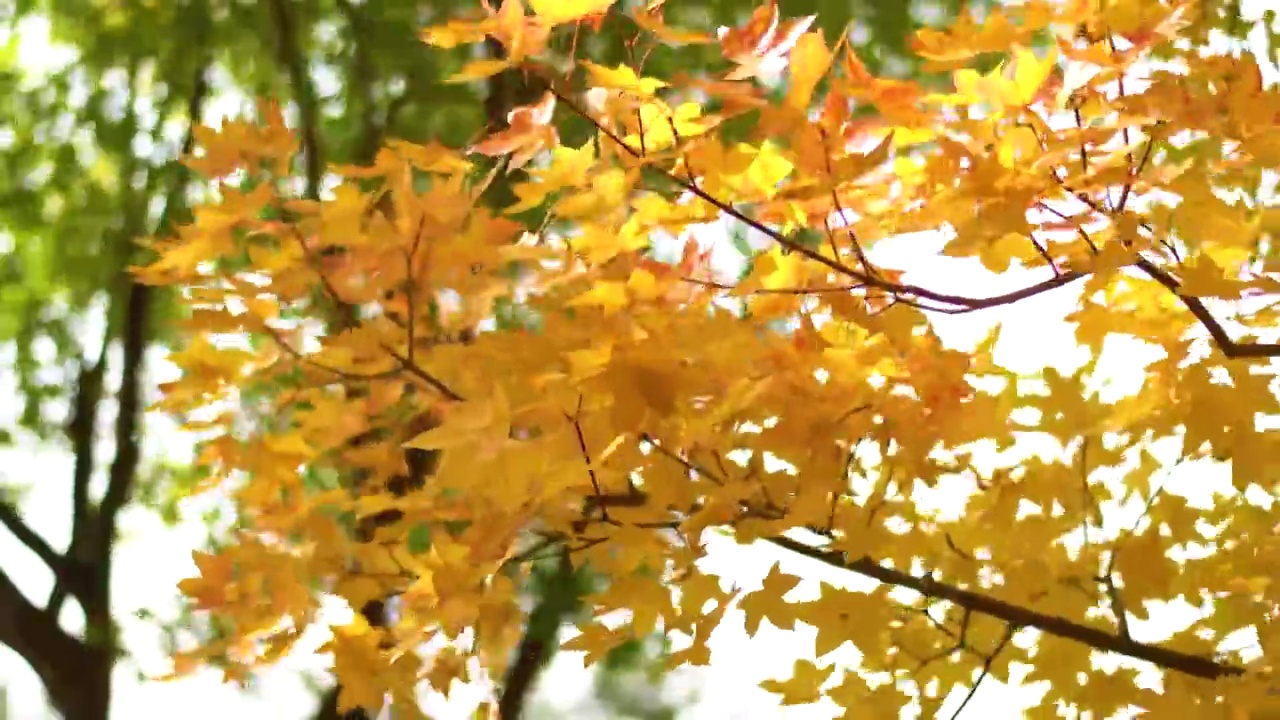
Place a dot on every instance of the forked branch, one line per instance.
(910, 292)
(1016, 615)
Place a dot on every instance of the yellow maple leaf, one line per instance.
(478, 70)
(596, 640)
(557, 12)
(468, 421)
(804, 686)
(768, 602)
(610, 296)
(623, 78)
(1201, 277)
(810, 60)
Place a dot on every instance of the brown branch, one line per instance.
(915, 291)
(82, 430)
(844, 216)
(1134, 170)
(540, 638)
(1014, 616)
(1107, 579)
(576, 420)
(82, 427)
(291, 56)
(418, 372)
(1017, 616)
(1128, 186)
(507, 90)
(13, 522)
(128, 452)
(987, 662)
(60, 661)
(133, 340)
(1229, 347)
(314, 364)
(362, 78)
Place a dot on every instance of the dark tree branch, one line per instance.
(362, 78)
(541, 638)
(82, 428)
(14, 523)
(58, 659)
(1014, 616)
(291, 56)
(76, 673)
(1229, 347)
(1017, 616)
(82, 431)
(913, 293)
(557, 596)
(133, 340)
(124, 465)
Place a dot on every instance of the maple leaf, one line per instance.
(804, 685)
(519, 34)
(759, 45)
(529, 132)
(894, 98)
(621, 78)
(649, 17)
(767, 602)
(210, 588)
(810, 60)
(556, 12)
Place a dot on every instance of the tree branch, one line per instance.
(1017, 616)
(557, 599)
(58, 659)
(291, 56)
(81, 430)
(82, 427)
(908, 292)
(133, 338)
(362, 78)
(14, 523)
(1229, 347)
(987, 662)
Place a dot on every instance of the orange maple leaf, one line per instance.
(529, 132)
(521, 35)
(759, 46)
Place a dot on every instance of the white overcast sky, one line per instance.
(152, 557)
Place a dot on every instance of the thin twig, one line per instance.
(986, 670)
(576, 420)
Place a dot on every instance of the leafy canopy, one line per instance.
(593, 397)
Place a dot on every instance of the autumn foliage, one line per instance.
(597, 401)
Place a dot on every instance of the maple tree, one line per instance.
(594, 407)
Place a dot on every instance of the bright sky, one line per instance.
(152, 557)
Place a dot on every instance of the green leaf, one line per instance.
(809, 238)
(419, 539)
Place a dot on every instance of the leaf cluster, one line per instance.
(807, 403)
